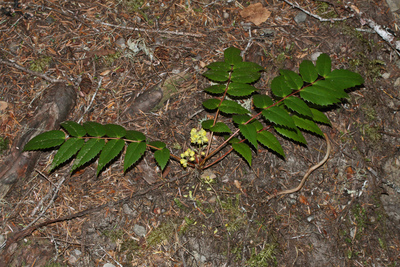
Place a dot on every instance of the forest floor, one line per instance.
(348, 212)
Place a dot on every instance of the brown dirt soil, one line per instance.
(348, 212)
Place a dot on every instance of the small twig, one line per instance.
(310, 170)
(316, 16)
(34, 73)
(150, 30)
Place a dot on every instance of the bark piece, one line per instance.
(54, 108)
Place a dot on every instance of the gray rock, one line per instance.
(139, 230)
(394, 5)
(300, 17)
(108, 265)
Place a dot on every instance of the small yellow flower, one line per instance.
(184, 162)
(198, 137)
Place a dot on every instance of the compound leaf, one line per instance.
(232, 107)
(220, 127)
(46, 140)
(323, 65)
(135, 135)
(298, 105)
(293, 134)
(244, 150)
(262, 101)
(162, 157)
(216, 75)
(94, 129)
(110, 151)
(66, 151)
(308, 71)
(307, 125)
(232, 55)
(115, 131)
(279, 116)
(134, 152)
(279, 87)
(88, 151)
(250, 133)
(211, 103)
(240, 89)
(74, 129)
(269, 140)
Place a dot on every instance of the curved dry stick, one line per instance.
(310, 170)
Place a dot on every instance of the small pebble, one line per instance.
(315, 56)
(397, 82)
(386, 75)
(300, 17)
(226, 15)
(139, 230)
(108, 265)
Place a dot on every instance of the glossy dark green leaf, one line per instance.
(323, 65)
(133, 153)
(331, 89)
(308, 71)
(307, 125)
(135, 135)
(293, 80)
(320, 117)
(244, 150)
(211, 103)
(206, 125)
(216, 89)
(240, 119)
(262, 101)
(257, 124)
(279, 116)
(279, 87)
(232, 55)
(245, 77)
(319, 96)
(109, 152)
(295, 135)
(74, 129)
(46, 140)
(216, 75)
(220, 66)
(88, 152)
(115, 131)
(297, 105)
(269, 140)
(162, 157)
(250, 133)
(158, 144)
(240, 89)
(247, 67)
(67, 151)
(220, 127)
(232, 107)
(344, 79)
(94, 129)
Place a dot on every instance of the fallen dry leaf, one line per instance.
(255, 13)
(3, 105)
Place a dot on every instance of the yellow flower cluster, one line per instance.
(198, 137)
(188, 155)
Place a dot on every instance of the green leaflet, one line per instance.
(232, 55)
(94, 129)
(262, 101)
(245, 77)
(216, 75)
(279, 116)
(232, 107)
(219, 66)
(88, 151)
(344, 79)
(240, 119)
(215, 89)
(109, 152)
(220, 127)
(206, 125)
(297, 105)
(307, 125)
(115, 131)
(162, 157)
(244, 150)
(269, 140)
(133, 153)
(323, 65)
(320, 117)
(247, 67)
(280, 87)
(135, 136)
(319, 96)
(67, 151)
(45, 140)
(250, 133)
(293, 134)
(308, 71)
(211, 103)
(158, 144)
(74, 129)
(240, 89)
(293, 80)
